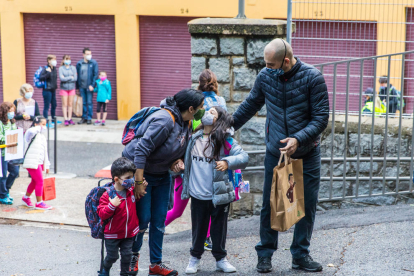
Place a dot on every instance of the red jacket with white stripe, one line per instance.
(123, 221)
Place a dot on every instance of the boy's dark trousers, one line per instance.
(201, 211)
(124, 246)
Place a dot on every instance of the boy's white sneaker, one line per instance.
(193, 265)
(225, 266)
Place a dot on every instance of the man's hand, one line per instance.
(47, 171)
(77, 92)
(90, 88)
(222, 166)
(291, 147)
(115, 201)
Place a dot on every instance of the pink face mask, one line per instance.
(103, 78)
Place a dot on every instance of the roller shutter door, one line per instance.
(409, 62)
(165, 57)
(1, 76)
(59, 34)
(317, 42)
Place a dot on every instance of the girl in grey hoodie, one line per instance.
(68, 77)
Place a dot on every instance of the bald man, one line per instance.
(297, 106)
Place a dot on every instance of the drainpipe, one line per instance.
(241, 14)
(289, 23)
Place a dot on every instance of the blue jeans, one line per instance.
(304, 228)
(49, 97)
(87, 103)
(152, 209)
(7, 182)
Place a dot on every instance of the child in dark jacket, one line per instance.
(118, 206)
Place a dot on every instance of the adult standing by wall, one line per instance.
(23, 119)
(88, 72)
(297, 105)
(160, 145)
(68, 77)
(49, 76)
(393, 105)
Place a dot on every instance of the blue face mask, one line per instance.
(67, 62)
(278, 72)
(10, 115)
(128, 183)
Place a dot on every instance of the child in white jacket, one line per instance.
(36, 162)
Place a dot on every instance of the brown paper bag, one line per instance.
(77, 106)
(287, 201)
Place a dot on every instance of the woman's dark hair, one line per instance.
(208, 81)
(37, 120)
(4, 109)
(219, 133)
(122, 166)
(186, 98)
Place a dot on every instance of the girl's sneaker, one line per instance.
(97, 123)
(208, 245)
(27, 202)
(66, 123)
(43, 206)
(225, 266)
(193, 265)
(71, 122)
(133, 266)
(6, 201)
(103, 122)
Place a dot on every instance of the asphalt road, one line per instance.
(84, 159)
(367, 241)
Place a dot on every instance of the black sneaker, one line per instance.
(264, 265)
(306, 263)
(82, 121)
(89, 122)
(208, 245)
(133, 266)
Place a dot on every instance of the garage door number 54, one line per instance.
(184, 11)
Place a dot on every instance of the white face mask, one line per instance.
(53, 63)
(88, 57)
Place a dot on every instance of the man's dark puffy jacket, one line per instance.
(93, 73)
(297, 107)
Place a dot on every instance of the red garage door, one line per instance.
(317, 42)
(409, 63)
(165, 51)
(68, 34)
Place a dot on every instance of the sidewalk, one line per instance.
(111, 133)
(368, 241)
(69, 205)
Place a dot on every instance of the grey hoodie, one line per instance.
(159, 141)
(65, 75)
(223, 191)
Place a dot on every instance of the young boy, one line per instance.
(104, 90)
(118, 205)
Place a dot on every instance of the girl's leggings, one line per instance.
(179, 204)
(37, 181)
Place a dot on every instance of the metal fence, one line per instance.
(366, 154)
(329, 31)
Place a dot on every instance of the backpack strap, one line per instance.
(172, 116)
(228, 144)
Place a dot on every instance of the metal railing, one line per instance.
(373, 125)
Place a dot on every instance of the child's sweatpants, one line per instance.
(124, 246)
(37, 181)
(201, 211)
(179, 204)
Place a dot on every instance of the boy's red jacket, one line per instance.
(123, 221)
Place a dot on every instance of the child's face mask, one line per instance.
(208, 119)
(127, 183)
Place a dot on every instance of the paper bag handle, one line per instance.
(287, 158)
